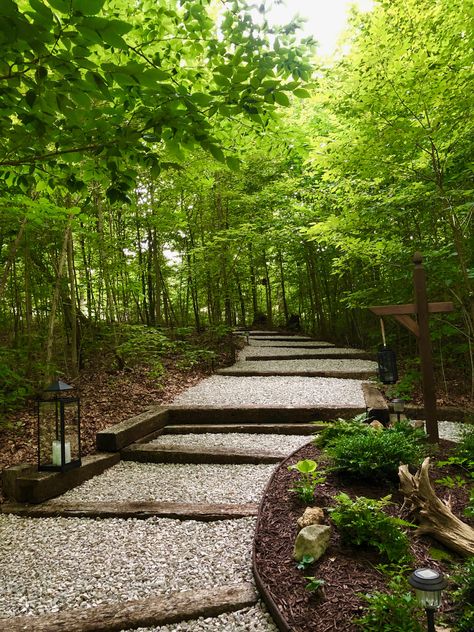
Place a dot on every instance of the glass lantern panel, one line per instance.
(49, 431)
(71, 430)
(429, 598)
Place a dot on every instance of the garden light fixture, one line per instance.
(398, 406)
(59, 436)
(428, 584)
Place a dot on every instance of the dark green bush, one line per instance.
(374, 454)
(464, 597)
(396, 611)
(362, 522)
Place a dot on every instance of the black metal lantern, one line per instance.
(428, 584)
(59, 430)
(387, 365)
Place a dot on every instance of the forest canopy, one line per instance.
(188, 164)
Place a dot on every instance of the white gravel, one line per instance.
(174, 482)
(254, 619)
(283, 352)
(281, 337)
(221, 390)
(51, 564)
(275, 443)
(288, 367)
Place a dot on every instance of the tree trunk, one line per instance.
(434, 516)
(11, 257)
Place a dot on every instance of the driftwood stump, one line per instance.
(433, 515)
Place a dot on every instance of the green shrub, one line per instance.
(374, 454)
(464, 597)
(396, 611)
(364, 523)
(309, 478)
(340, 428)
(14, 386)
(465, 448)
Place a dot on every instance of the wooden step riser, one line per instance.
(308, 356)
(148, 454)
(281, 429)
(354, 375)
(183, 415)
(204, 512)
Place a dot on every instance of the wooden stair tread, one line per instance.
(149, 453)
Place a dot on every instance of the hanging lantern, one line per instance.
(387, 365)
(59, 436)
(387, 361)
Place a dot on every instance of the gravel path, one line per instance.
(283, 352)
(275, 443)
(220, 390)
(51, 564)
(254, 619)
(174, 482)
(275, 367)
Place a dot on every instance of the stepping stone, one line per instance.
(150, 453)
(356, 369)
(284, 429)
(281, 338)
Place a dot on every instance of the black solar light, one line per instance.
(428, 584)
(59, 435)
(398, 406)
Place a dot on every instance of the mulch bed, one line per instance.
(347, 571)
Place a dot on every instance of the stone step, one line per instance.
(281, 338)
(284, 429)
(149, 453)
(140, 509)
(301, 344)
(306, 354)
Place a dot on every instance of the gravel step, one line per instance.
(151, 453)
(280, 429)
(53, 564)
(291, 353)
(301, 344)
(284, 392)
(272, 443)
(281, 338)
(174, 482)
(356, 369)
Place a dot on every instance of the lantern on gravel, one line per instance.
(59, 435)
(428, 584)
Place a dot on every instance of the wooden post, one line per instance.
(424, 342)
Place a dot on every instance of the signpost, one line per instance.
(420, 328)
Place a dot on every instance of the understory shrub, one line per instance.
(309, 478)
(340, 428)
(395, 611)
(464, 597)
(364, 523)
(374, 454)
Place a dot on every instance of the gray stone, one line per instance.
(376, 425)
(312, 540)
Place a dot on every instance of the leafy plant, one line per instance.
(464, 596)
(395, 611)
(363, 522)
(305, 561)
(374, 454)
(314, 584)
(309, 478)
(452, 482)
(469, 509)
(342, 427)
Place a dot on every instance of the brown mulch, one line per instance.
(347, 571)
(107, 398)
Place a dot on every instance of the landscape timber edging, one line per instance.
(24, 484)
(189, 414)
(151, 453)
(120, 435)
(278, 617)
(153, 611)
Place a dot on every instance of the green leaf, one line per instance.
(88, 7)
(152, 77)
(199, 98)
(301, 93)
(233, 163)
(217, 152)
(281, 98)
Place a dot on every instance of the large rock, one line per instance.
(312, 540)
(312, 515)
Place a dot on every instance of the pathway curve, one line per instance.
(210, 472)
